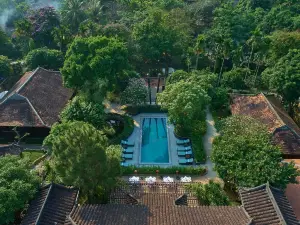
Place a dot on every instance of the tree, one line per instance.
(235, 78)
(244, 156)
(80, 109)
(135, 93)
(6, 46)
(94, 10)
(18, 184)
(284, 78)
(116, 30)
(209, 194)
(46, 58)
(178, 75)
(185, 102)
(5, 68)
(79, 158)
(72, 12)
(62, 37)
(91, 59)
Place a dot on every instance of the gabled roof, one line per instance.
(51, 206)
(44, 94)
(267, 205)
(269, 111)
(155, 205)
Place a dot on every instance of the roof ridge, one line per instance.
(41, 211)
(25, 82)
(245, 211)
(34, 110)
(273, 110)
(52, 71)
(252, 189)
(276, 207)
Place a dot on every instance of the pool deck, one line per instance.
(136, 139)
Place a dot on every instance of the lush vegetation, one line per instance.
(244, 156)
(151, 170)
(136, 92)
(209, 194)
(17, 186)
(81, 157)
(32, 155)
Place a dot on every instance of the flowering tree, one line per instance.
(136, 92)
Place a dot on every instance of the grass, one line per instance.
(32, 154)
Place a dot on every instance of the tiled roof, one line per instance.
(17, 111)
(257, 107)
(292, 193)
(111, 214)
(51, 206)
(44, 91)
(10, 149)
(267, 205)
(269, 111)
(158, 204)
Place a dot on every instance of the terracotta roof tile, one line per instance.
(53, 203)
(288, 141)
(44, 91)
(292, 192)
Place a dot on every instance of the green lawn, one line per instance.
(32, 155)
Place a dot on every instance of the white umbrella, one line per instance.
(150, 180)
(168, 179)
(186, 179)
(134, 179)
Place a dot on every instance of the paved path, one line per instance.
(207, 140)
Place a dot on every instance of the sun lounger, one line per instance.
(126, 143)
(182, 142)
(127, 150)
(127, 156)
(184, 153)
(186, 161)
(124, 164)
(182, 148)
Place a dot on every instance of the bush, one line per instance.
(46, 58)
(128, 127)
(188, 170)
(135, 110)
(136, 92)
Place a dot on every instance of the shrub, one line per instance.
(188, 170)
(128, 127)
(134, 110)
(46, 58)
(135, 93)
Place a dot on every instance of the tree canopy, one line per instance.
(136, 92)
(18, 185)
(79, 158)
(244, 156)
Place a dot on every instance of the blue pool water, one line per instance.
(154, 141)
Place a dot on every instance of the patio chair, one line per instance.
(125, 142)
(186, 161)
(184, 153)
(127, 150)
(183, 142)
(182, 148)
(127, 156)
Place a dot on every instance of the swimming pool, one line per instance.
(154, 148)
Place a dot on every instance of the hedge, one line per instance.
(186, 170)
(134, 110)
(127, 129)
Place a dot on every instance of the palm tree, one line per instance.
(73, 13)
(95, 10)
(199, 48)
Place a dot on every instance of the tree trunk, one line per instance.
(221, 70)
(197, 61)
(249, 61)
(256, 73)
(149, 90)
(291, 109)
(157, 89)
(215, 66)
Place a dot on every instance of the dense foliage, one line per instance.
(5, 68)
(80, 109)
(80, 158)
(18, 185)
(136, 92)
(46, 58)
(244, 156)
(209, 194)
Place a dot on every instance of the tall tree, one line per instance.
(79, 158)
(73, 13)
(18, 185)
(244, 156)
(284, 78)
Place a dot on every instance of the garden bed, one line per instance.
(151, 170)
(127, 127)
(135, 110)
